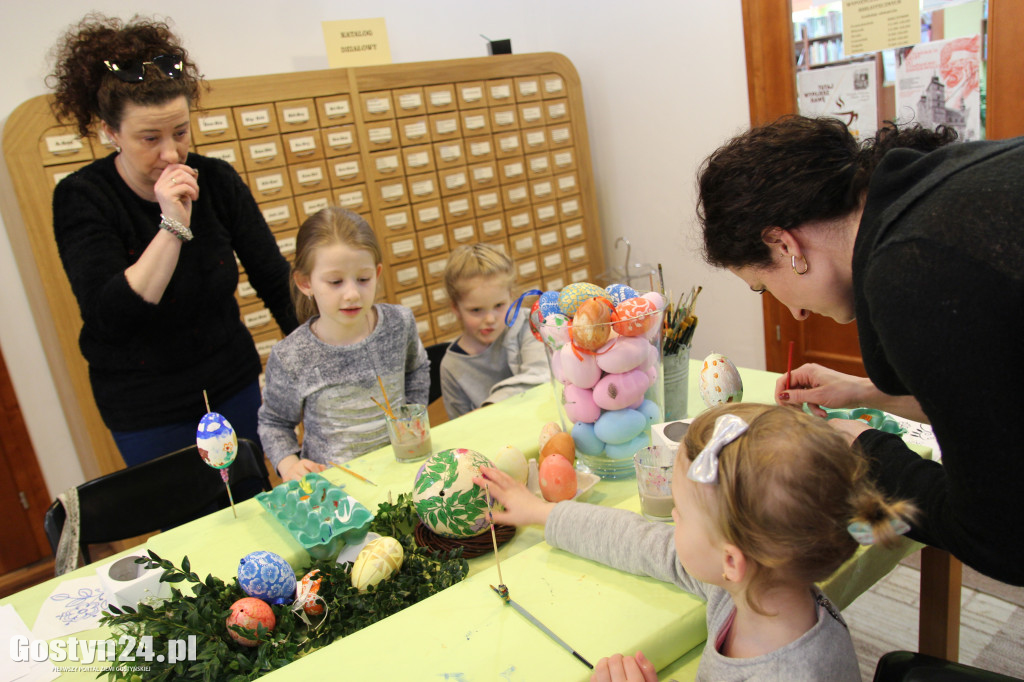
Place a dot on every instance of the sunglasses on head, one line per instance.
(134, 71)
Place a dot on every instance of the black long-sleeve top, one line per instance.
(149, 364)
(938, 273)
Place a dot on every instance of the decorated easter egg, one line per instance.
(629, 448)
(216, 440)
(574, 294)
(555, 331)
(586, 440)
(548, 303)
(559, 444)
(557, 479)
(446, 499)
(635, 316)
(546, 431)
(620, 292)
(307, 594)
(249, 612)
(616, 427)
(616, 391)
(266, 576)
(590, 328)
(536, 319)
(622, 354)
(512, 461)
(720, 381)
(579, 404)
(379, 560)
(581, 370)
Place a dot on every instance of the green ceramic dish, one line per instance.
(317, 513)
(874, 418)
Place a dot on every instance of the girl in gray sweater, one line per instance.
(768, 501)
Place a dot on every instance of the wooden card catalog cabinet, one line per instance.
(435, 155)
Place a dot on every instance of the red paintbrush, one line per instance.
(789, 365)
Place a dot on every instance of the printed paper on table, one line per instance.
(938, 83)
(845, 92)
(356, 42)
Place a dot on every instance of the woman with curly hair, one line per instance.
(922, 243)
(148, 237)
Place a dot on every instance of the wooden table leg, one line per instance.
(939, 614)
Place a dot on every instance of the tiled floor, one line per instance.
(885, 619)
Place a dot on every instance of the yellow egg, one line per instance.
(546, 431)
(379, 560)
(512, 461)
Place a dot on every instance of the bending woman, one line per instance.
(922, 243)
(148, 237)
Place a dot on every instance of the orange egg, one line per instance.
(548, 430)
(591, 326)
(559, 444)
(557, 479)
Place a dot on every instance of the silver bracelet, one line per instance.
(176, 228)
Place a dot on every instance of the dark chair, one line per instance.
(156, 495)
(906, 666)
(435, 353)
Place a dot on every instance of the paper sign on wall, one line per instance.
(356, 42)
(939, 83)
(875, 25)
(844, 92)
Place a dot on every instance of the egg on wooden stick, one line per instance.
(217, 444)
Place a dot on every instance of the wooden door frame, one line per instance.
(771, 88)
(16, 449)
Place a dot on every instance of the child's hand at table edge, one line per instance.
(619, 668)
(293, 467)
(521, 506)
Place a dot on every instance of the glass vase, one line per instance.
(608, 395)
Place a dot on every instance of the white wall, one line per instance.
(664, 83)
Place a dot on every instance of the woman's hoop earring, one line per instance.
(806, 266)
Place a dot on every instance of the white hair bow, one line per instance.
(704, 468)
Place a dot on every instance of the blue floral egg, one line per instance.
(621, 292)
(548, 304)
(267, 576)
(216, 440)
(575, 294)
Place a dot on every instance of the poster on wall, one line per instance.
(845, 92)
(939, 83)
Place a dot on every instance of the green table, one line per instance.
(466, 632)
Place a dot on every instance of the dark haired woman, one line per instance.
(922, 243)
(148, 237)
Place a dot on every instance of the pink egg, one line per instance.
(616, 391)
(581, 370)
(580, 405)
(557, 479)
(556, 368)
(622, 354)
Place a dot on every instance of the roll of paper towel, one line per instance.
(128, 583)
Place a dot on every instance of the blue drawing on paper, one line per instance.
(88, 604)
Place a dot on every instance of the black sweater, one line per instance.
(938, 273)
(149, 364)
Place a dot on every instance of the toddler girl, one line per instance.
(768, 501)
(325, 374)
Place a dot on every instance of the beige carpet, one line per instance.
(991, 621)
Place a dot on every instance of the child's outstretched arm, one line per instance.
(522, 507)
